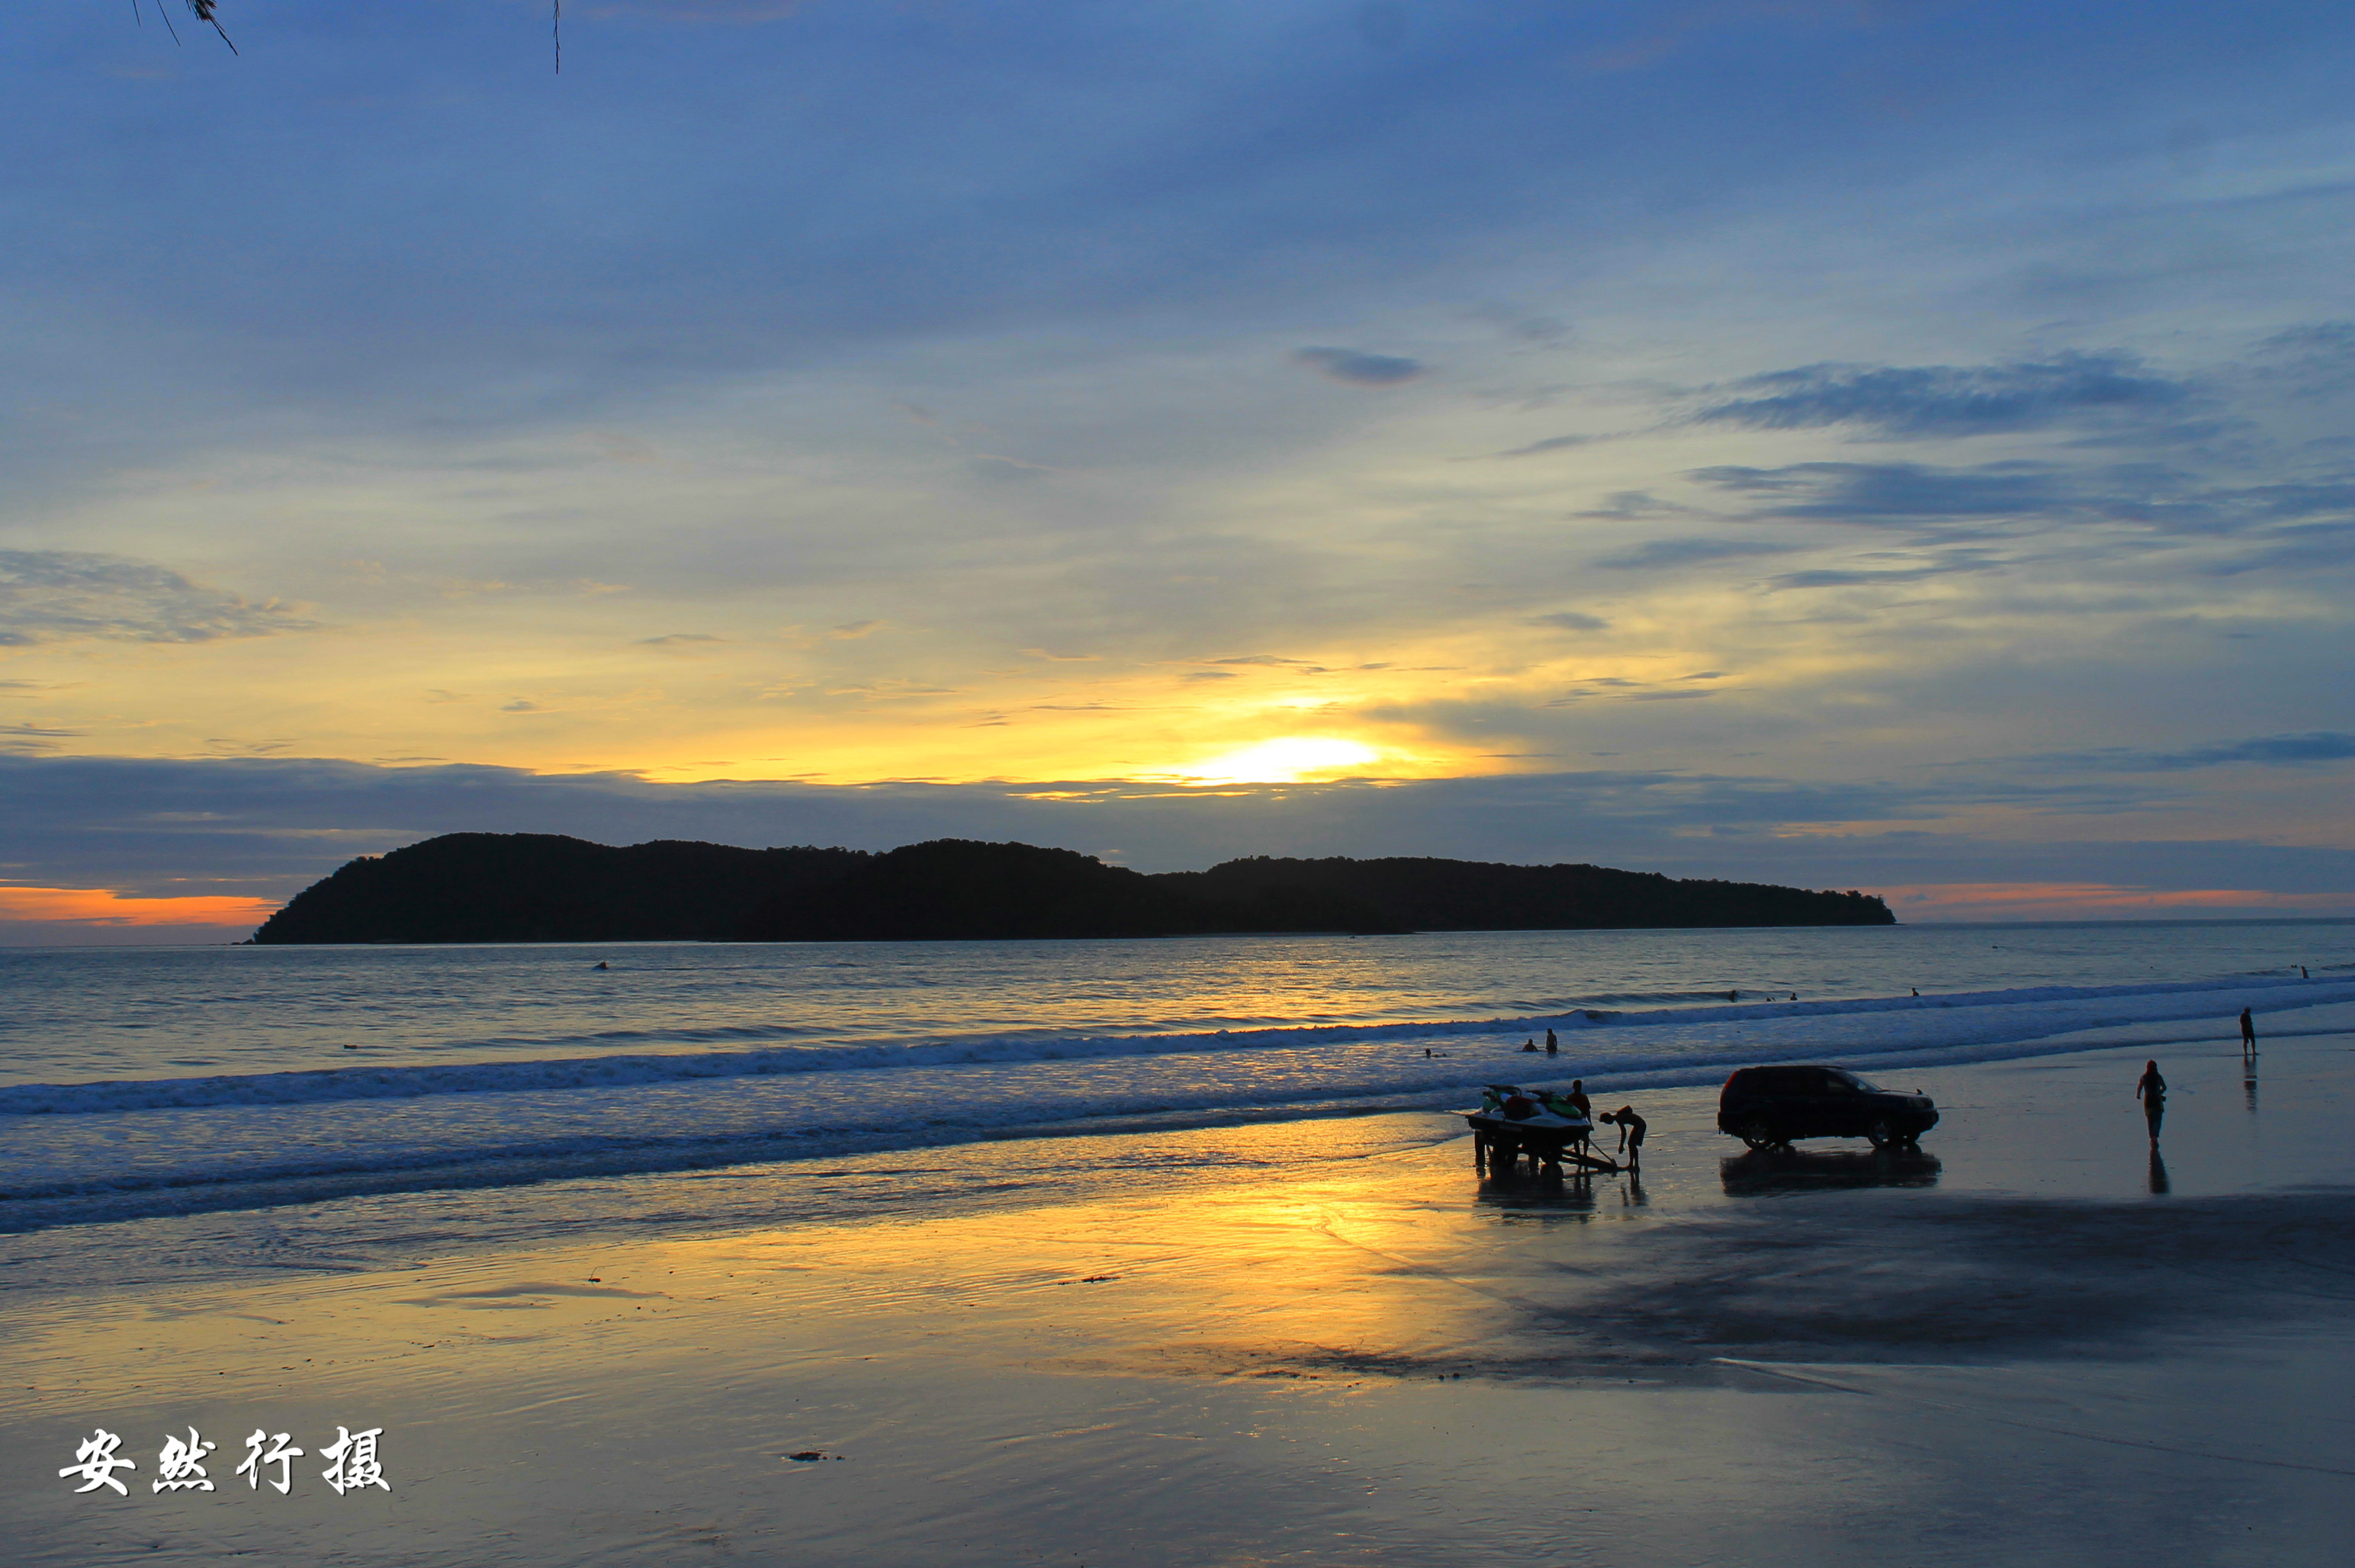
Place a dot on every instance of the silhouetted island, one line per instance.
(539, 887)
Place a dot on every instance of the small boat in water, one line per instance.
(1512, 1122)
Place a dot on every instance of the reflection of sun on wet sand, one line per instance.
(1824, 1355)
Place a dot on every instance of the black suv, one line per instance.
(1764, 1106)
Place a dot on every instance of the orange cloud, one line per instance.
(103, 906)
(2085, 900)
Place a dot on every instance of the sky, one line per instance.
(1902, 446)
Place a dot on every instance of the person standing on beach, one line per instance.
(2248, 1034)
(2152, 1090)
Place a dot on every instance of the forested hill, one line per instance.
(543, 887)
(1477, 895)
(532, 886)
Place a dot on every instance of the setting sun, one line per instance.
(1285, 760)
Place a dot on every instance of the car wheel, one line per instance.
(1759, 1133)
(1883, 1133)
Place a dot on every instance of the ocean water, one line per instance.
(136, 1084)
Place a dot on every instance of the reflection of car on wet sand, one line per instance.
(1760, 1173)
(1766, 1107)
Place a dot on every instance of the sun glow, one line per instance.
(103, 906)
(1287, 760)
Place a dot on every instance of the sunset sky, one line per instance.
(1903, 446)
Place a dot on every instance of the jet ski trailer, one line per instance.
(1550, 1130)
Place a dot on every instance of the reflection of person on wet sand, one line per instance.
(2152, 1090)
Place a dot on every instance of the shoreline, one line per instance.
(1334, 1348)
(561, 1139)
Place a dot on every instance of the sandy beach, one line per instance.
(2038, 1342)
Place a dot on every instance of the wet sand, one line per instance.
(2036, 1343)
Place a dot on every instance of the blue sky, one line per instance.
(1903, 446)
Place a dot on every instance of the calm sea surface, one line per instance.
(79, 1014)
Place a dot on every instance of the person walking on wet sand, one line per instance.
(2248, 1034)
(2152, 1090)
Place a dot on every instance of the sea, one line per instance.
(511, 1092)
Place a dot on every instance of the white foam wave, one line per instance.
(329, 1085)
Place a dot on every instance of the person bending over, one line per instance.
(1631, 1133)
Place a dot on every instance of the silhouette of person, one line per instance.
(2248, 1032)
(1631, 1133)
(1917, 990)
(1529, 1045)
(2302, 973)
(1577, 1097)
(1553, 1046)
(602, 965)
(2158, 1183)
(2152, 1090)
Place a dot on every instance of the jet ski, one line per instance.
(1513, 1121)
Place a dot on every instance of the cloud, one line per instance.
(1949, 400)
(520, 706)
(850, 631)
(1906, 494)
(1632, 504)
(1836, 577)
(1654, 555)
(1571, 621)
(2306, 750)
(2313, 360)
(676, 638)
(1359, 368)
(1553, 443)
(59, 595)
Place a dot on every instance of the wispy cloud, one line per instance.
(1358, 368)
(1657, 555)
(57, 596)
(2312, 747)
(1552, 444)
(1950, 399)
